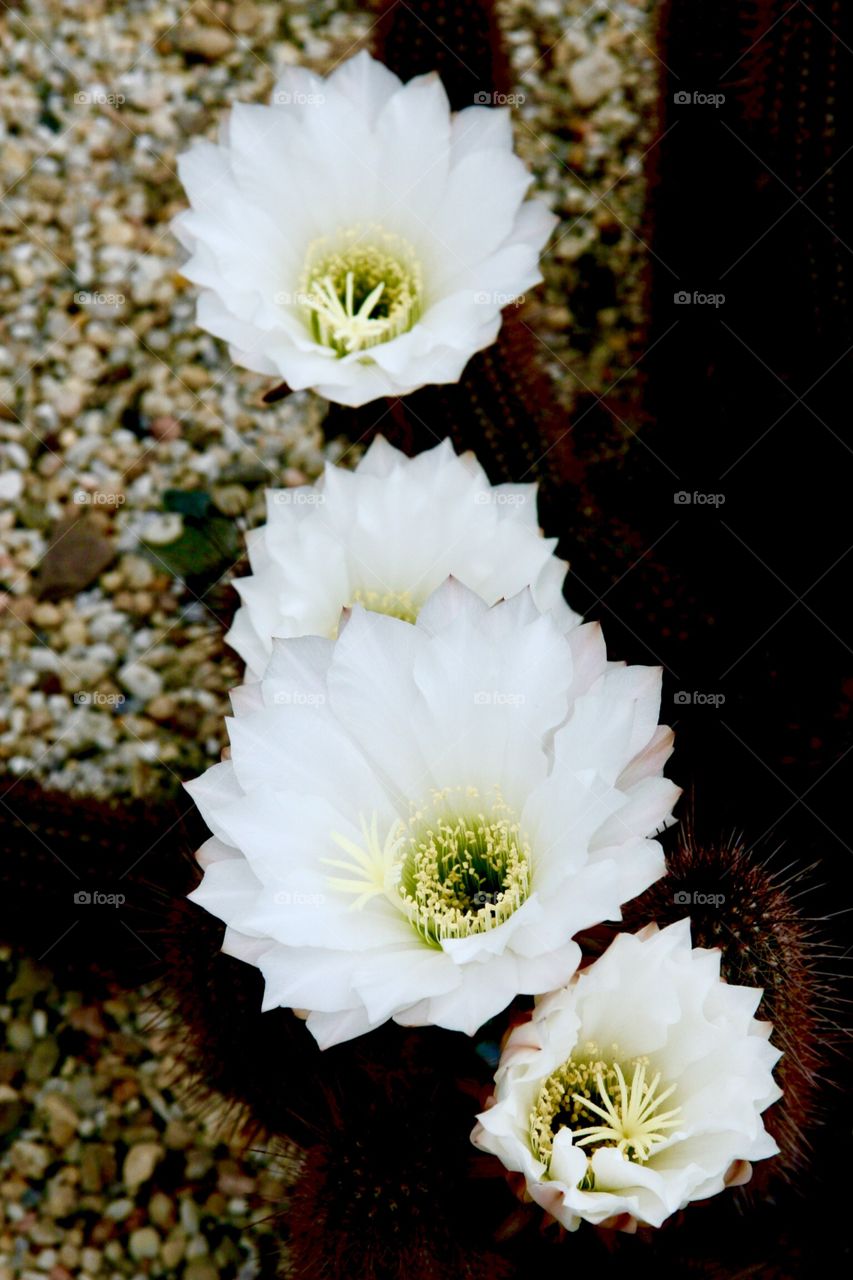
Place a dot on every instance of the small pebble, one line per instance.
(30, 1159)
(140, 681)
(593, 77)
(140, 1163)
(11, 486)
(61, 1119)
(210, 43)
(144, 1243)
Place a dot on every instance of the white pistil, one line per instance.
(633, 1123)
(347, 327)
(372, 866)
(361, 287)
(631, 1119)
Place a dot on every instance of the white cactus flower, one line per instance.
(355, 236)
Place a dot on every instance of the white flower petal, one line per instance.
(654, 998)
(394, 530)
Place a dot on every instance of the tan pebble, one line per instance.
(68, 402)
(161, 708)
(74, 631)
(61, 1119)
(140, 1163)
(119, 233)
(138, 573)
(209, 43)
(24, 274)
(45, 186)
(195, 376)
(62, 1196)
(234, 1183)
(112, 580)
(172, 1252)
(245, 16)
(593, 77)
(215, 1204)
(144, 1243)
(231, 499)
(166, 428)
(161, 1210)
(30, 1158)
(22, 608)
(48, 464)
(177, 1135)
(47, 615)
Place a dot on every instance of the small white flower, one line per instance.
(634, 1090)
(385, 536)
(355, 236)
(416, 819)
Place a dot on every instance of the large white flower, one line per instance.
(385, 536)
(416, 819)
(636, 1089)
(355, 236)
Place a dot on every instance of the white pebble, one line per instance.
(11, 486)
(140, 681)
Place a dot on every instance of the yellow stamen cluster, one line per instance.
(465, 868)
(397, 604)
(361, 287)
(626, 1114)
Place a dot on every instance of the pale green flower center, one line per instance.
(605, 1104)
(459, 867)
(397, 604)
(360, 287)
(466, 866)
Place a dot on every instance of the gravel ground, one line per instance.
(133, 458)
(587, 74)
(104, 1173)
